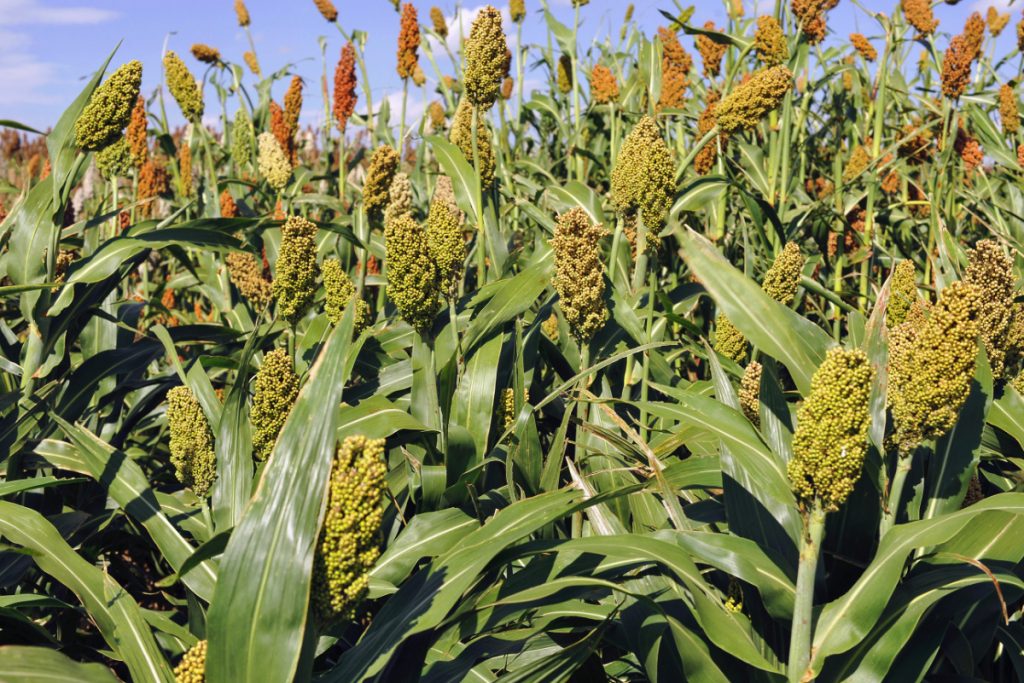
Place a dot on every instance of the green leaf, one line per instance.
(429, 534)
(259, 611)
(775, 329)
(464, 179)
(28, 664)
(117, 616)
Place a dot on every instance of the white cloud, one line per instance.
(1002, 5)
(15, 12)
(26, 78)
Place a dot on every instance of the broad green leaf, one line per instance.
(28, 664)
(259, 611)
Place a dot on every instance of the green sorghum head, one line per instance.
(858, 162)
(770, 41)
(831, 436)
(564, 74)
(750, 392)
(745, 106)
(273, 162)
(413, 282)
(643, 180)
(243, 138)
(517, 10)
(377, 186)
(461, 135)
(992, 271)
(109, 108)
(296, 269)
(183, 87)
(192, 453)
(902, 294)
(192, 667)
(729, 341)
(783, 278)
(446, 243)
(931, 365)
(484, 58)
(579, 273)
(276, 388)
(339, 293)
(114, 160)
(349, 542)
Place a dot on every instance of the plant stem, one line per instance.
(800, 634)
(892, 505)
(481, 232)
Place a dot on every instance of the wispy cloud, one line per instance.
(1003, 5)
(22, 12)
(25, 77)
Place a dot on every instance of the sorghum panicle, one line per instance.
(296, 269)
(109, 109)
(643, 179)
(745, 106)
(484, 61)
(327, 9)
(462, 137)
(750, 392)
(242, 12)
(276, 388)
(579, 273)
(919, 14)
(273, 164)
(1009, 113)
(604, 89)
(243, 139)
(377, 186)
(251, 61)
(711, 51)
(399, 197)
(991, 271)
(446, 244)
(413, 282)
(345, 96)
(136, 134)
(114, 160)
(192, 667)
(770, 41)
(865, 48)
(729, 341)
(956, 67)
(996, 21)
(708, 154)
(339, 293)
(439, 22)
(183, 87)
(564, 69)
(192, 453)
(206, 54)
(902, 294)
(517, 10)
(830, 440)
(349, 542)
(408, 42)
(931, 365)
(783, 278)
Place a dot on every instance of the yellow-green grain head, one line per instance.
(931, 365)
(579, 273)
(109, 109)
(192, 667)
(729, 341)
(783, 278)
(339, 293)
(114, 160)
(273, 162)
(349, 542)
(643, 180)
(902, 294)
(992, 272)
(276, 388)
(296, 269)
(192, 452)
(377, 186)
(750, 392)
(413, 282)
(446, 243)
(831, 436)
(183, 87)
(745, 106)
(484, 56)
(461, 136)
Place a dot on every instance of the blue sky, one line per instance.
(48, 46)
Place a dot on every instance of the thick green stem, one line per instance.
(803, 607)
(892, 505)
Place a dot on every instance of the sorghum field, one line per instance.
(701, 362)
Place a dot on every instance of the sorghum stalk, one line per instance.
(800, 633)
